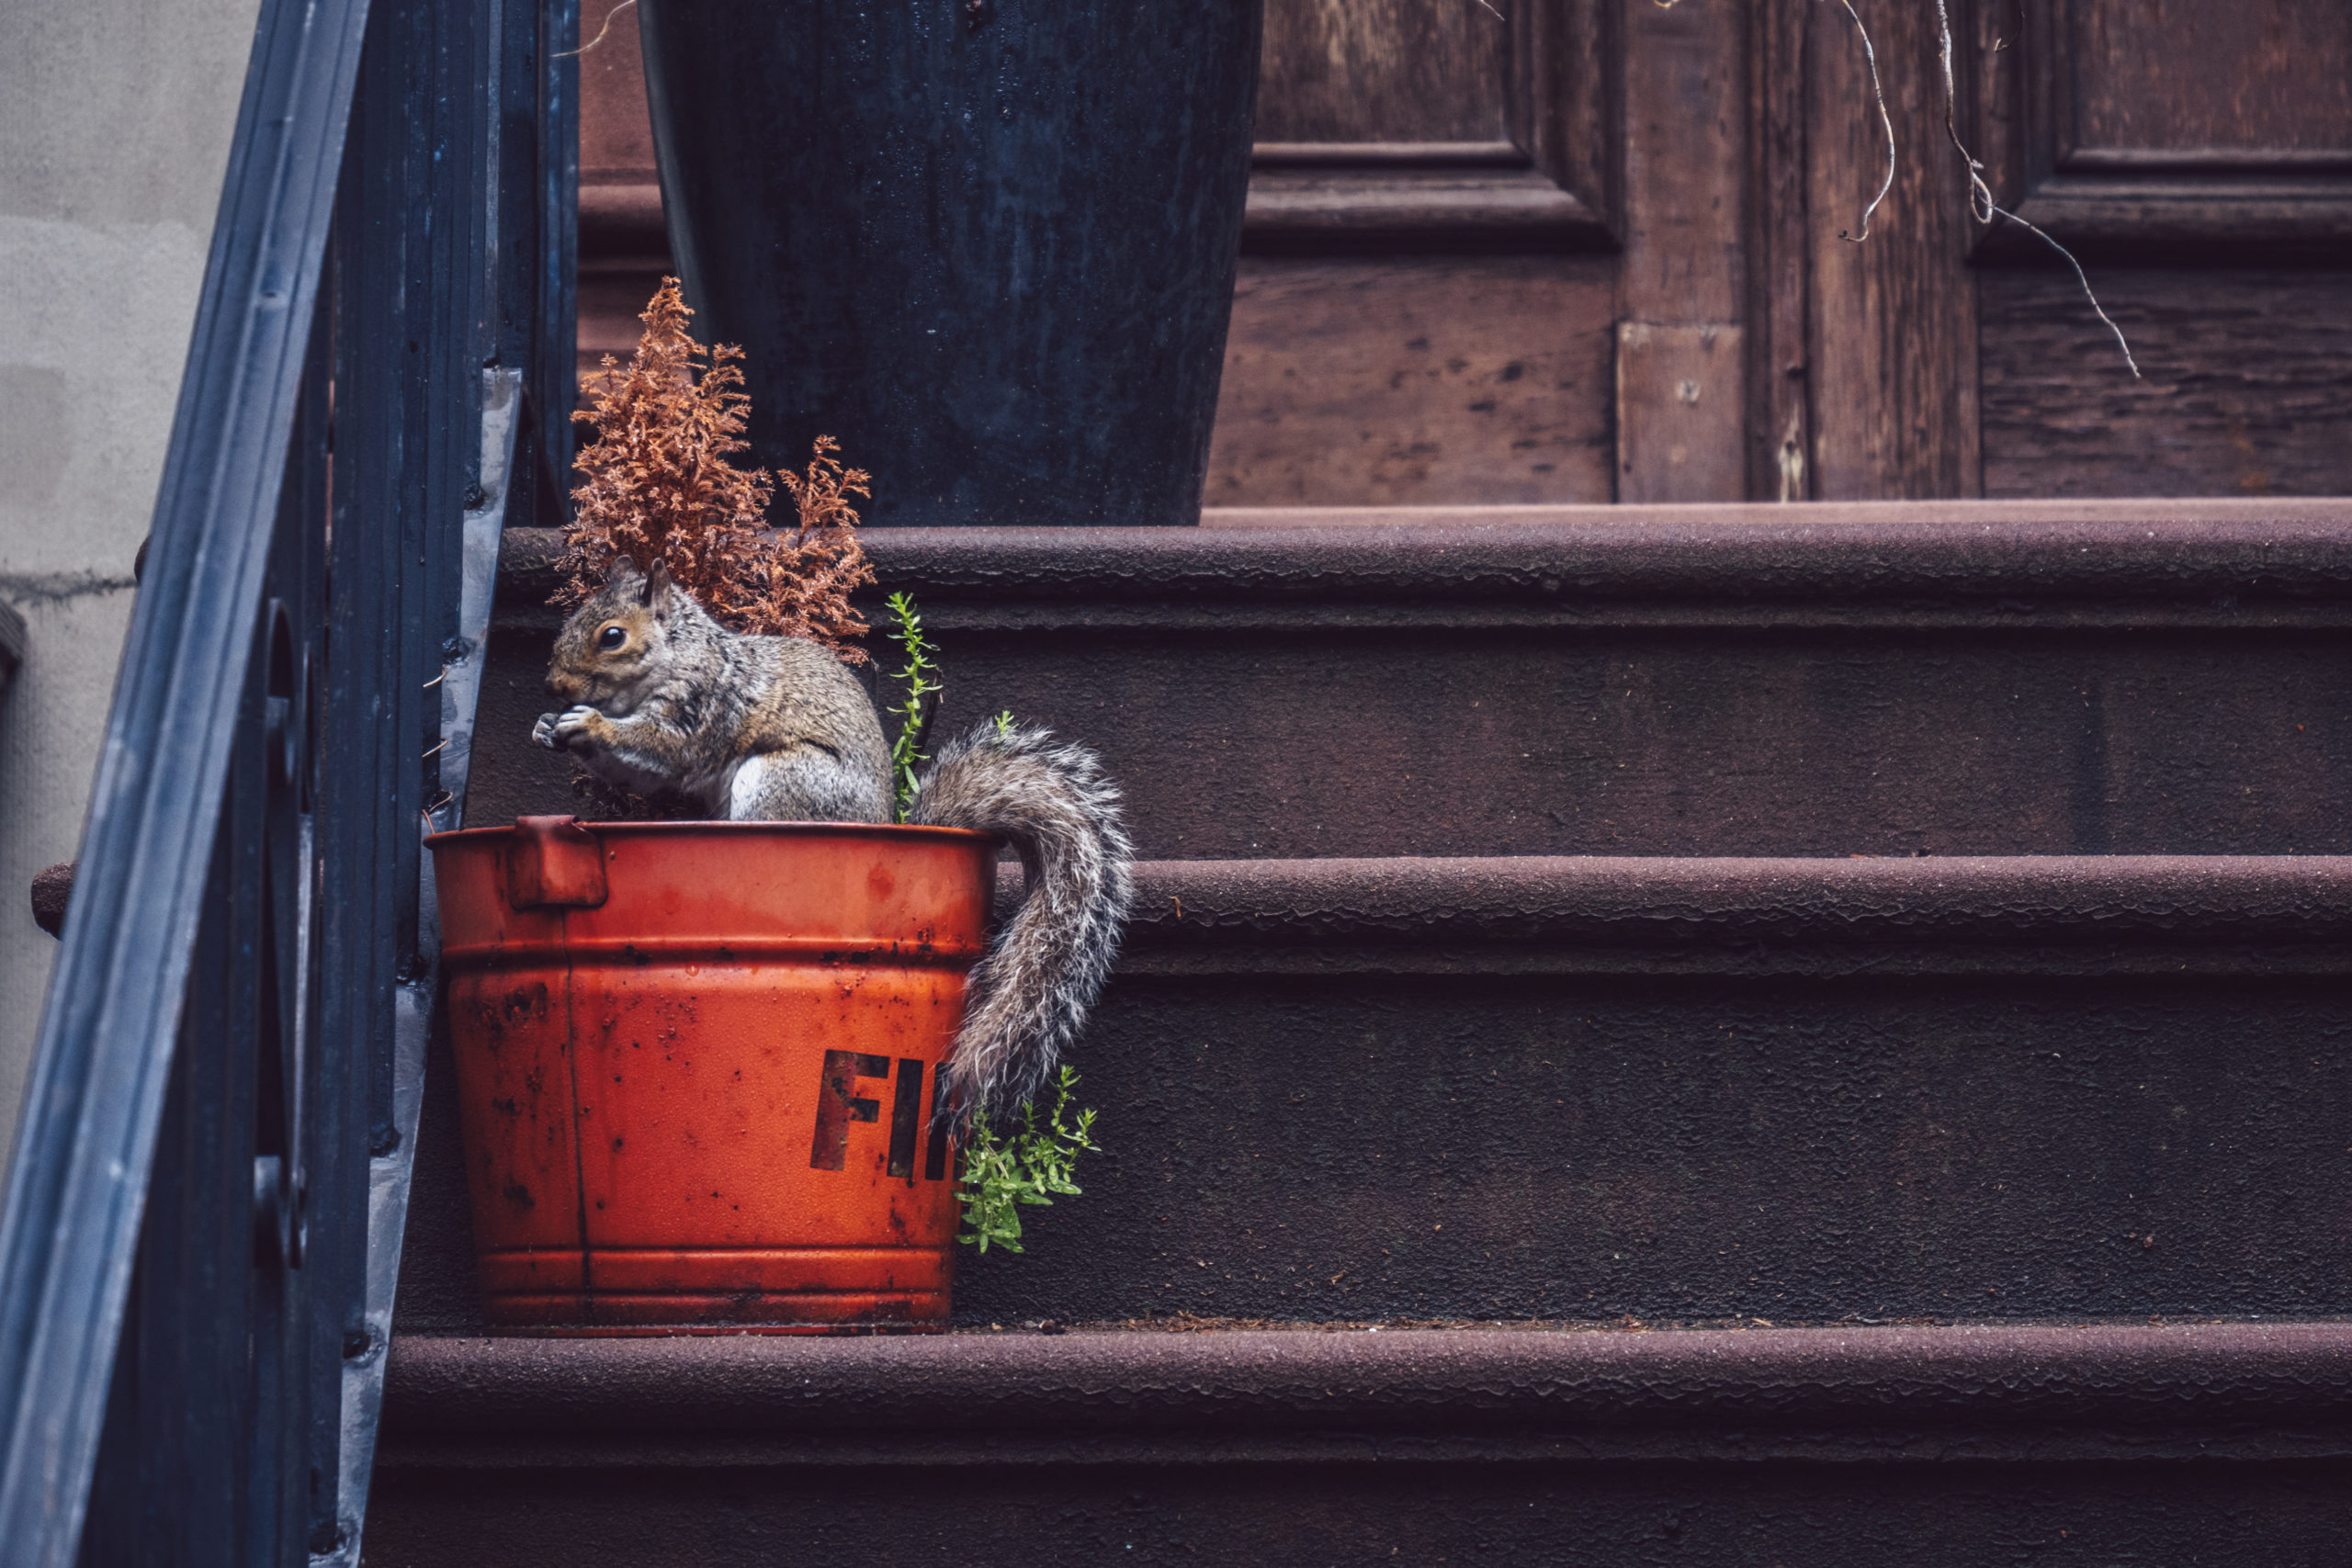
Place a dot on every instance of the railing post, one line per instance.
(202, 1232)
(77, 1193)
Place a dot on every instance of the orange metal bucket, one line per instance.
(697, 1063)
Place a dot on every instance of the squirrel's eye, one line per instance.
(612, 637)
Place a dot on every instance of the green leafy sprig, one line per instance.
(1032, 1164)
(922, 679)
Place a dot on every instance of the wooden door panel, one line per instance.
(1415, 380)
(1424, 313)
(2247, 385)
(1432, 123)
(1396, 70)
(2216, 125)
(2183, 149)
(2151, 82)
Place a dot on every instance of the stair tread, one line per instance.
(1113, 1380)
(2155, 890)
(2221, 562)
(2019, 914)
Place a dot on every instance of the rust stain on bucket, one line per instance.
(709, 1054)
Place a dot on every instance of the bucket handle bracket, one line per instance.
(555, 862)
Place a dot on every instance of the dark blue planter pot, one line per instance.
(988, 243)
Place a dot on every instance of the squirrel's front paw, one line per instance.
(561, 731)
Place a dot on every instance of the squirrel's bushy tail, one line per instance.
(1027, 998)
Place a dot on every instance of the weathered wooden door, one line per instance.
(1561, 251)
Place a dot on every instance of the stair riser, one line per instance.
(1829, 1515)
(1507, 1147)
(1467, 742)
(1483, 1146)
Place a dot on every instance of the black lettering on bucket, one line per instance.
(905, 1114)
(935, 1153)
(839, 1104)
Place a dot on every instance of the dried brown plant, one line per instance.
(798, 582)
(660, 483)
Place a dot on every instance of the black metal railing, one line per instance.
(203, 1214)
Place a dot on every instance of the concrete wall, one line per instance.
(114, 122)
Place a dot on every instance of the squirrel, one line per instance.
(777, 729)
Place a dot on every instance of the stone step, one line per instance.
(1867, 1447)
(2145, 677)
(1682, 1090)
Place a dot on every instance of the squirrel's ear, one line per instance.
(656, 583)
(622, 575)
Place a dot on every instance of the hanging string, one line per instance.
(576, 53)
(1984, 209)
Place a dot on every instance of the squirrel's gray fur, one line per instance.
(775, 729)
(751, 728)
(1028, 998)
